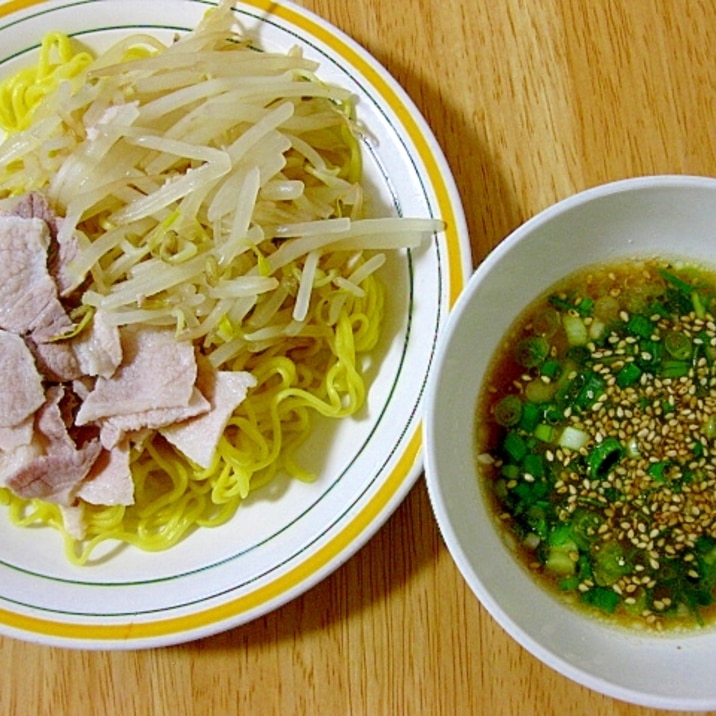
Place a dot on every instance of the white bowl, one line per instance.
(665, 216)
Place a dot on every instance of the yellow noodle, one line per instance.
(23, 91)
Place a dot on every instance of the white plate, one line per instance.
(290, 535)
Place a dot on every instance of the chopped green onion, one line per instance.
(530, 352)
(562, 304)
(515, 446)
(603, 598)
(649, 356)
(510, 472)
(546, 323)
(550, 368)
(560, 561)
(678, 345)
(544, 432)
(657, 470)
(631, 449)
(697, 303)
(575, 329)
(580, 355)
(573, 438)
(530, 492)
(508, 411)
(604, 457)
(640, 326)
(531, 414)
(709, 429)
(584, 306)
(609, 563)
(676, 282)
(539, 391)
(569, 584)
(551, 413)
(674, 368)
(585, 523)
(597, 328)
(563, 551)
(628, 375)
(533, 464)
(591, 390)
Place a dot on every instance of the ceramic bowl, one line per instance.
(669, 216)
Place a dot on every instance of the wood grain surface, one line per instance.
(531, 100)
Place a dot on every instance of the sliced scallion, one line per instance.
(515, 446)
(576, 330)
(531, 414)
(603, 598)
(546, 323)
(639, 325)
(678, 345)
(508, 411)
(674, 368)
(698, 304)
(539, 391)
(604, 457)
(530, 352)
(628, 375)
(573, 438)
(591, 390)
(544, 432)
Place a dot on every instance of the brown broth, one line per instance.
(618, 293)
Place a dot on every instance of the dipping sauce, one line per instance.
(597, 437)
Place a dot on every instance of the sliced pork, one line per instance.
(16, 436)
(54, 476)
(156, 371)
(114, 428)
(54, 465)
(56, 360)
(34, 206)
(110, 479)
(199, 437)
(98, 348)
(20, 383)
(29, 302)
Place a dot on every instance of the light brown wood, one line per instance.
(531, 101)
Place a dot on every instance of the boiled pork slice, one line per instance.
(115, 428)
(16, 436)
(199, 437)
(110, 480)
(20, 383)
(54, 476)
(56, 360)
(34, 205)
(12, 461)
(53, 465)
(156, 371)
(73, 518)
(98, 348)
(29, 302)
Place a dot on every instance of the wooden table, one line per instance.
(531, 101)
